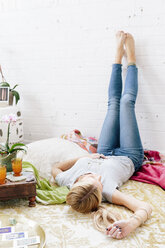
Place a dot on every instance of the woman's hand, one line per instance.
(96, 155)
(120, 229)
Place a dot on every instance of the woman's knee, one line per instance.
(115, 101)
(128, 99)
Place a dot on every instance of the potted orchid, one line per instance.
(7, 153)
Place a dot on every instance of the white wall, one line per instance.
(60, 53)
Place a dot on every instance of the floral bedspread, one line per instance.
(66, 228)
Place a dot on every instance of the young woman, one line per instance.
(97, 177)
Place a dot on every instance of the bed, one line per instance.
(66, 228)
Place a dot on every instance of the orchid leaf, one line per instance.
(18, 149)
(7, 147)
(15, 145)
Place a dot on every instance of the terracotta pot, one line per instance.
(2, 174)
(7, 160)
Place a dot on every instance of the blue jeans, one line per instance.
(120, 135)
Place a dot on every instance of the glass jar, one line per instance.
(2, 174)
(17, 166)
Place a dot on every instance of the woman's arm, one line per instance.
(66, 165)
(142, 212)
(130, 202)
(63, 166)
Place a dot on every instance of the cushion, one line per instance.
(43, 154)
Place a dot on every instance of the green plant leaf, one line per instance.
(18, 149)
(16, 94)
(14, 87)
(4, 84)
(7, 147)
(16, 144)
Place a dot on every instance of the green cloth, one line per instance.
(46, 193)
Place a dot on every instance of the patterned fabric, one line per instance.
(66, 228)
(87, 143)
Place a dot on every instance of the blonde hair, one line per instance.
(85, 198)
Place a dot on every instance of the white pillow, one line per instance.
(45, 153)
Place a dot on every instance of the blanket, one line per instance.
(46, 193)
(152, 170)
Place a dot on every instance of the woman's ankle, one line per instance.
(131, 63)
(117, 62)
(118, 58)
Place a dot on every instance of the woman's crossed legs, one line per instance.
(120, 135)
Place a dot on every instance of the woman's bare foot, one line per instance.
(120, 39)
(130, 48)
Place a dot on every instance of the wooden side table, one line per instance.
(13, 190)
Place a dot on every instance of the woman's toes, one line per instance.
(120, 33)
(129, 38)
(125, 35)
(120, 40)
(128, 34)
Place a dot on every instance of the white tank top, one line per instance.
(114, 171)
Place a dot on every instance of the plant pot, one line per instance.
(10, 98)
(2, 174)
(7, 160)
